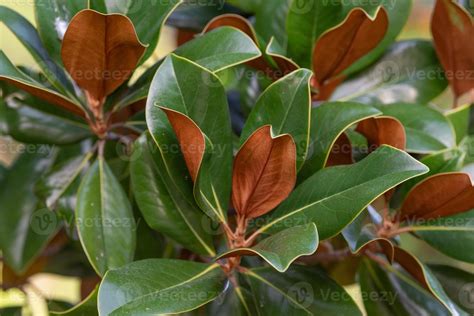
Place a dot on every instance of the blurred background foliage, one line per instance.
(53, 287)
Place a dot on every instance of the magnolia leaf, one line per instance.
(242, 24)
(452, 235)
(12, 75)
(457, 284)
(57, 181)
(388, 291)
(147, 17)
(299, 291)
(328, 122)
(165, 196)
(110, 52)
(425, 277)
(441, 195)
(25, 228)
(398, 13)
(341, 46)
(333, 197)
(264, 172)
(229, 47)
(191, 140)
(159, 286)
(104, 219)
(453, 28)
(27, 124)
(306, 22)
(189, 89)
(87, 307)
(408, 72)
(430, 134)
(341, 152)
(29, 37)
(282, 249)
(383, 131)
(286, 106)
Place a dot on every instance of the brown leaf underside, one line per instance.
(338, 48)
(453, 35)
(264, 173)
(100, 53)
(383, 131)
(190, 138)
(438, 196)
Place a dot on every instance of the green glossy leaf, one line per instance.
(389, 292)
(52, 20)
(159, 286)
(165, 197)
(88, 307)
(220, 49)
(27, 124)
(459, 118)
(427, 135)
(328, 122)
(451, 235)
(271, 20)
(299, 291)
(11, 311)
(333, 197)
(57, 181)
(104, 219)
(216, 51)
(25, 228)
(187, 88)
(458, 285)
(286, 106)
(282, 249)
(29, 37)
(408, 72)
(147, 17)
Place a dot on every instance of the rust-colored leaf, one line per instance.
(100, 53)
(453, 35)
(411, 265)
(341, 152)
(383, 131)
(438, 196)
(190, 138)
(341, 46)
(264, 173)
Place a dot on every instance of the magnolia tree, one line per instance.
(272, 161)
